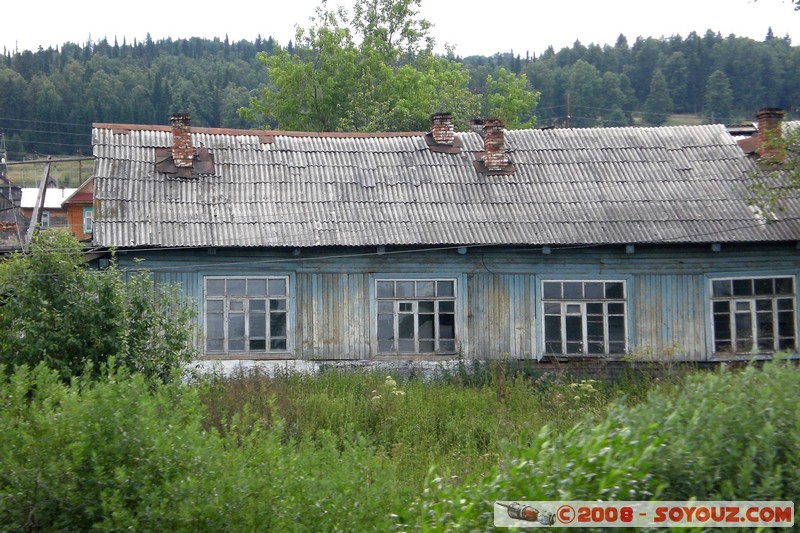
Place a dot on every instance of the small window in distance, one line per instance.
(88, 219)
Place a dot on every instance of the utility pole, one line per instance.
(37, 209)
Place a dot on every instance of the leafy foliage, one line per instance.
(57, 311)
(119, 454)
(724, 436)
(389, 81)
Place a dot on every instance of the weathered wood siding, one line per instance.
(499, 308)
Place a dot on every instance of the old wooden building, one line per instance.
(530, 244)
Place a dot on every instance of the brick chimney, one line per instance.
(494, 157)
(182, 151)
(769, 131)
(442, 128)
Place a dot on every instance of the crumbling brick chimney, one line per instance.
(182, 151)
(769, 133)
(494, 157)
(442, 128)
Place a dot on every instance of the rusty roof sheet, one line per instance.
(681, 184)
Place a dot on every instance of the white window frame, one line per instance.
(567, 307)
(248, 304)
(88, 219)
(745, 311)
(45, 222)
(444, 308)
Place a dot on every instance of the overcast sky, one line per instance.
(473, 27)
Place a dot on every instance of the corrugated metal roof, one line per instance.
(683, 184)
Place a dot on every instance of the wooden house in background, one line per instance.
(53, 214)
(560, 244)
(80, 210)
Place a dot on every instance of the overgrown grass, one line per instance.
(456, 423)
(349, 451)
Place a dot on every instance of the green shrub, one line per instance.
(124, 453)
(722, 436)
(55, 310)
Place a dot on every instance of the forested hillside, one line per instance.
(50, 98)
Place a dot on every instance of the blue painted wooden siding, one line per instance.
(331, 297)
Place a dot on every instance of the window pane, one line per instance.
(616, 347)
(723, 306)
(385, 327)
(406, 346)
(551, 290)
(385, 307)
(258, 325)
(594, 309)
(722, 327)
(742, 287)
(743, 306)
(405, 307)
(214, 345)
(277, 287)
(445, 288)
(236, 305)
(426, 307)
(216, 326)
(447, 346)
(784, 286)
(236, 326)
(385, 346)
(721, 288)
(405, 326)
(552, 332)
(235, 345)
(764, 286)
(574, 328)
(594, 328)
(405, 289)
(447, 326)
(425, 327)
(277, 345)
(744, 331)
(236, 287)
(573, 309)
(277, 324)
(596, 347)
(786, 324)
(258, 305)
(594, 290)
(426, 289)
(426, 346)
(215, 287)
(258, 345)
(215, 306)
(616, 309)
(552, 309)
(764, 305)
(785, 304)
(386, 289)
(616, 329)
(447, 307)
(277, 305)
(615, 290)
(573, 290)
(256, 287)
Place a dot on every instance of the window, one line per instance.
(416, 316)
(584, 317)
(753, 314)
(88, 221)
(45, 223)
(246, 314)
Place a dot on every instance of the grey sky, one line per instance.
(482, 27)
